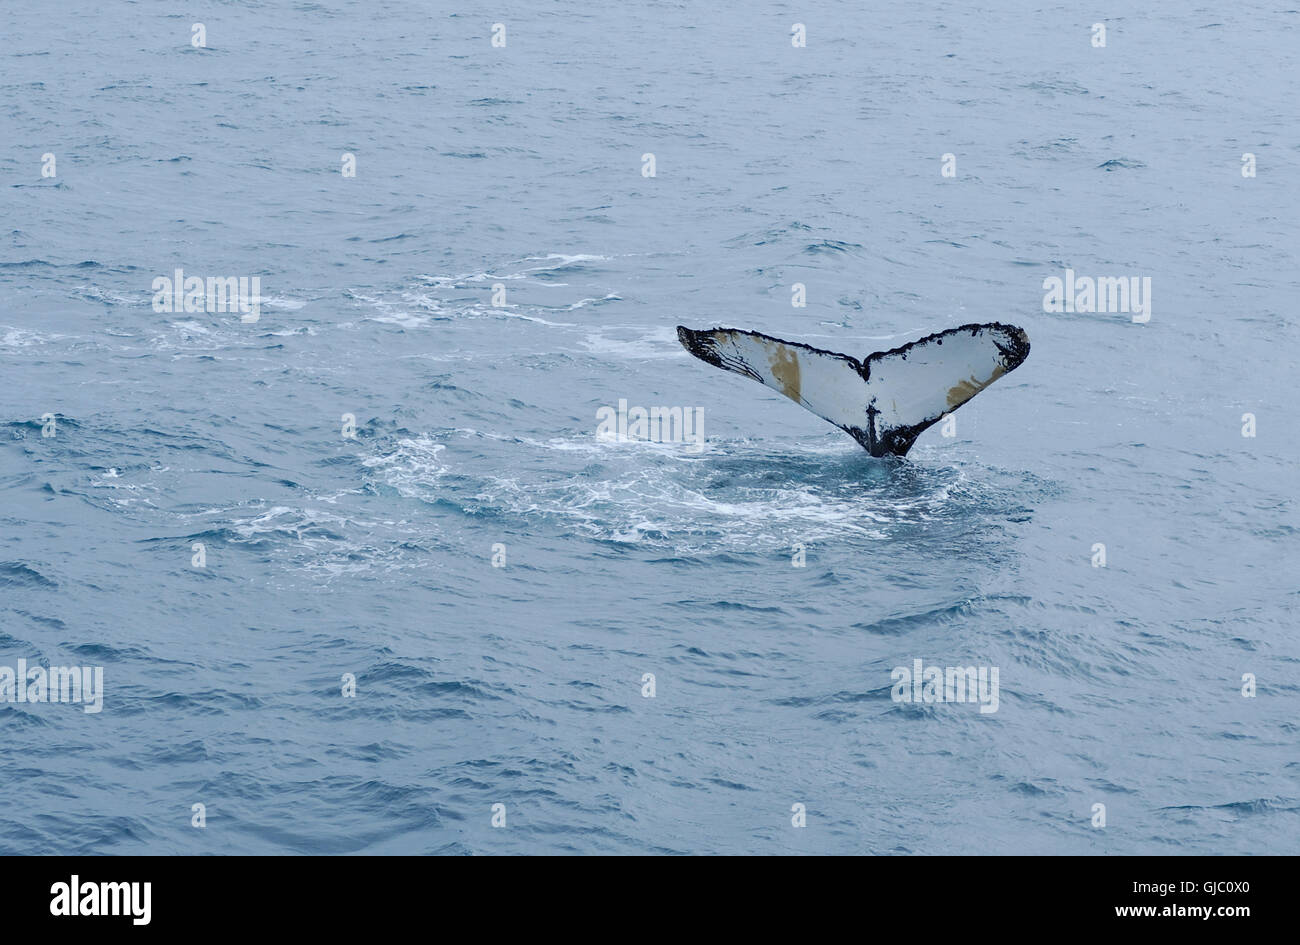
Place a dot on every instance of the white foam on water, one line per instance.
(111, 298)
(25, 338)
(282, 302)
(734, 497)
(650, 343)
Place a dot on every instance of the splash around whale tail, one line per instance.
(884, 401)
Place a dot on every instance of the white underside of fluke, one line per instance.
(885, 401)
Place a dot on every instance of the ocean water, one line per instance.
(475, 429)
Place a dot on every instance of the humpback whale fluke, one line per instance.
(885, 401)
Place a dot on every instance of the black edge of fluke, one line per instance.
(1018, 350)
(697, 343)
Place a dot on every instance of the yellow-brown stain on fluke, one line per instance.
(785, 368)
(965, 390)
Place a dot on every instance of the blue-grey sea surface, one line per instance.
(523, 166)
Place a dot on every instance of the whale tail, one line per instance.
(885, 401)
